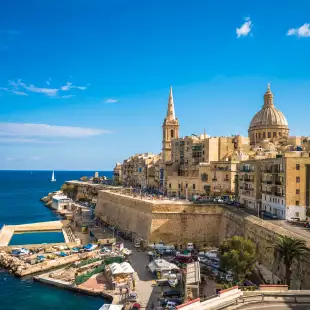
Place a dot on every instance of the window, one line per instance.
(194, 186)
(186, 185)
(259, 135)
(297, 191)
(179, 185)
(172, 133)
(264, 135)
(169, 185)
(256, 136)
(297, 203)
(297, 179)
(269, 134)
(297, 166)
(282, 202)
(274, 134)
(272, 199)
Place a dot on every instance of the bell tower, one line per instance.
(170, 129)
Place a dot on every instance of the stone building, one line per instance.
(117, 174)
(286, 184)
(249, 184)
(269, 123)
(170, 129)
(223, 175)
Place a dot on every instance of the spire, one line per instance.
(170, 111)
(268, 97)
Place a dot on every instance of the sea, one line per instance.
(20, 193)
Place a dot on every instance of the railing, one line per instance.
(214, 179)
(279, 194)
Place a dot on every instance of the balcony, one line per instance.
(245, 169)
(214, 179)
(269, 170)
(279, 194)
(279, 182)
(267, 192)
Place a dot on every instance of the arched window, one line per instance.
(274, 134)
(259, 136)
(269, 134)
(264, 135)
(172, 133)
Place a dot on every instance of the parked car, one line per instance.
(136, 306)
(172, 293)
(204, 260)
(307, 225)
(133, 296)
(212, 254)
(294, 219)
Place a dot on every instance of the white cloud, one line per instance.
(19, 87)
(245, 28)
(69, 86)
(110, 100)
(301, 32)
(13, 91)
(44, 130)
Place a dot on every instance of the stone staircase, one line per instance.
(69, 233)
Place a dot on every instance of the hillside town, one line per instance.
(266, 172)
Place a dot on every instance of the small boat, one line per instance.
(173, 280)
(40, 258)
(90, 247)
(62, 254)
(53, 177)
(75, 250)
(20, 252)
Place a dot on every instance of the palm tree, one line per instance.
(286, 250)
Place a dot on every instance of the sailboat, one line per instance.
(53, 177)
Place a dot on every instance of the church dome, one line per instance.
(268, 116)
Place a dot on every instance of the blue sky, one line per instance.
(84, 84)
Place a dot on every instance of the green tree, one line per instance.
(286, 250)
(239, 255)
(84, 179)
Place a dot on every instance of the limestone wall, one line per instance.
(264, 235)
(128, 213)
(205, 225)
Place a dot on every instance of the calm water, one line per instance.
(20, 192)
(37, 238)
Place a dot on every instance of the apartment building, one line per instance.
(286, 184)
(223, 175)
(249, 184)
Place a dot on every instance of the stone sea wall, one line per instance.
(205, 225)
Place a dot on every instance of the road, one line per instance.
(276, 306)
(300, 230)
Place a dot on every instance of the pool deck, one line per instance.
(7, 231)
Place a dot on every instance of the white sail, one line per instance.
(53, 177)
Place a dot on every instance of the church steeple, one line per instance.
(170, 111)
(268, 98)
(170, 128)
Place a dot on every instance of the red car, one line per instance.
(136, 306)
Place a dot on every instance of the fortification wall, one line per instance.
(204, 225)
